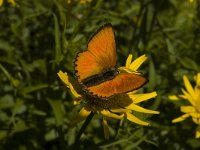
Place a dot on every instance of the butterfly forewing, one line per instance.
(100, 56)
(102, 46)
(86, 66)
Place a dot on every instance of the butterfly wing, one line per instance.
(122, 83)
(100, 56)
(102, 46)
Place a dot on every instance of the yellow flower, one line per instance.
(118, 107)
(9, 1)
(193, 96)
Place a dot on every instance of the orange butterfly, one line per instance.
(96, 69)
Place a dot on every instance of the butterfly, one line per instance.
(95, 68)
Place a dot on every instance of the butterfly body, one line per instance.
(99, 78)
(96, 70)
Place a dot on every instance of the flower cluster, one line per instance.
(192, 95)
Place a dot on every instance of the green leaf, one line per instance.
(171, 51)
(51, 135)
(71, 136)
(190, 64)
(41, 65)
(39, 112)
(57, 34)
(19, 108)
(3, 134)
(13, 81)
(6, 101)
(152, 76)
(19, 127)
(30, 89)
(58, 110)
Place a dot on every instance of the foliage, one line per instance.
(39, 38)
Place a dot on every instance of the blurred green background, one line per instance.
(39, 38)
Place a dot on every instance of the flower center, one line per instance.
(116, 102)
(99, 103)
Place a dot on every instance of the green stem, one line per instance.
(61, 139)
(87, 121)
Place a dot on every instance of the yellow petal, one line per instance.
(77, 100)
(140, 109)
(197, 79)
(188, 86)
(84, 112)
(173, 97)
(197, 97)
(183, 96)
(128, 60)
(133, 92)
(188, 97)
(197, 135)
(111, 115)
(134, 119)
(181, 118)
(12, 2)
(65, 79)
(125, 69)
(137, 62)
(137, 98)
(105, 128)
(196, 120)
(195, 115)
(1, 2)
(120, 110)
(188, 109)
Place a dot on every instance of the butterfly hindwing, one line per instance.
(123, 82)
